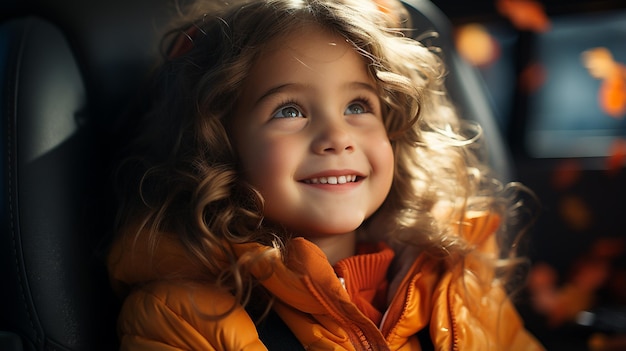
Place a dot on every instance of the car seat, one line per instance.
(68, 71)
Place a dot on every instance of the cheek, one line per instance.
(381, 155)
(386, 162)
(266, 162)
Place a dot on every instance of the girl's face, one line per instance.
(310, 135)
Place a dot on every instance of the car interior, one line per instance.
(70, 71)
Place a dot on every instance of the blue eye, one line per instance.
(288, 111)
(356, 108)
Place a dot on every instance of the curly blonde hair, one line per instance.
(186, 170)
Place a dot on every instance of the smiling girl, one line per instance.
(301, 181)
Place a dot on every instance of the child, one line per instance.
(301, 182)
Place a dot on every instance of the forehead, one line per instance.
(308, 52)
(310, 41)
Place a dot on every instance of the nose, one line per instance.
(333, 137)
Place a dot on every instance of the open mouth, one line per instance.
(333, 179)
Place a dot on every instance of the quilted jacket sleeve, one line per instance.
(477, 317)
(471, 307)
(184, 315)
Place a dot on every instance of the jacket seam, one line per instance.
(453, 332)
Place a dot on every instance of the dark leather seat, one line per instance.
(55, 294)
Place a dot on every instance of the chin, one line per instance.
(329, 230)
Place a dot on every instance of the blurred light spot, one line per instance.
(566, 174)
(575, 212)
(524, 14)
(612, 95)
(590, 273)
(599, 62)
(617, 157)
(476, 45)
(607, 342)
(532, 78)
(542, 281)
(542, 276)
(608, 248)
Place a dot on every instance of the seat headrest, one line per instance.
(52, 200)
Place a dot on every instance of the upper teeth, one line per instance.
(332, 180)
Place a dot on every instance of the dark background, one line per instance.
(560, 139)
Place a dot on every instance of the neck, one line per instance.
(337, 246)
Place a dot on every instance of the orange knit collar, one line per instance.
(365, 278)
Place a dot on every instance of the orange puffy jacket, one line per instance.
(170, 306)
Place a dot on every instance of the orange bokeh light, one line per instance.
(525, 14)
(612, 94)
(476, 45)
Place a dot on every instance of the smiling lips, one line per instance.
(343, 179)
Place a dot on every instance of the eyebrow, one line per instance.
(363, 85)
(298, 86)
(276, 90)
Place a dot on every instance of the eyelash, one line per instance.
(285, 104)
(364, 101)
